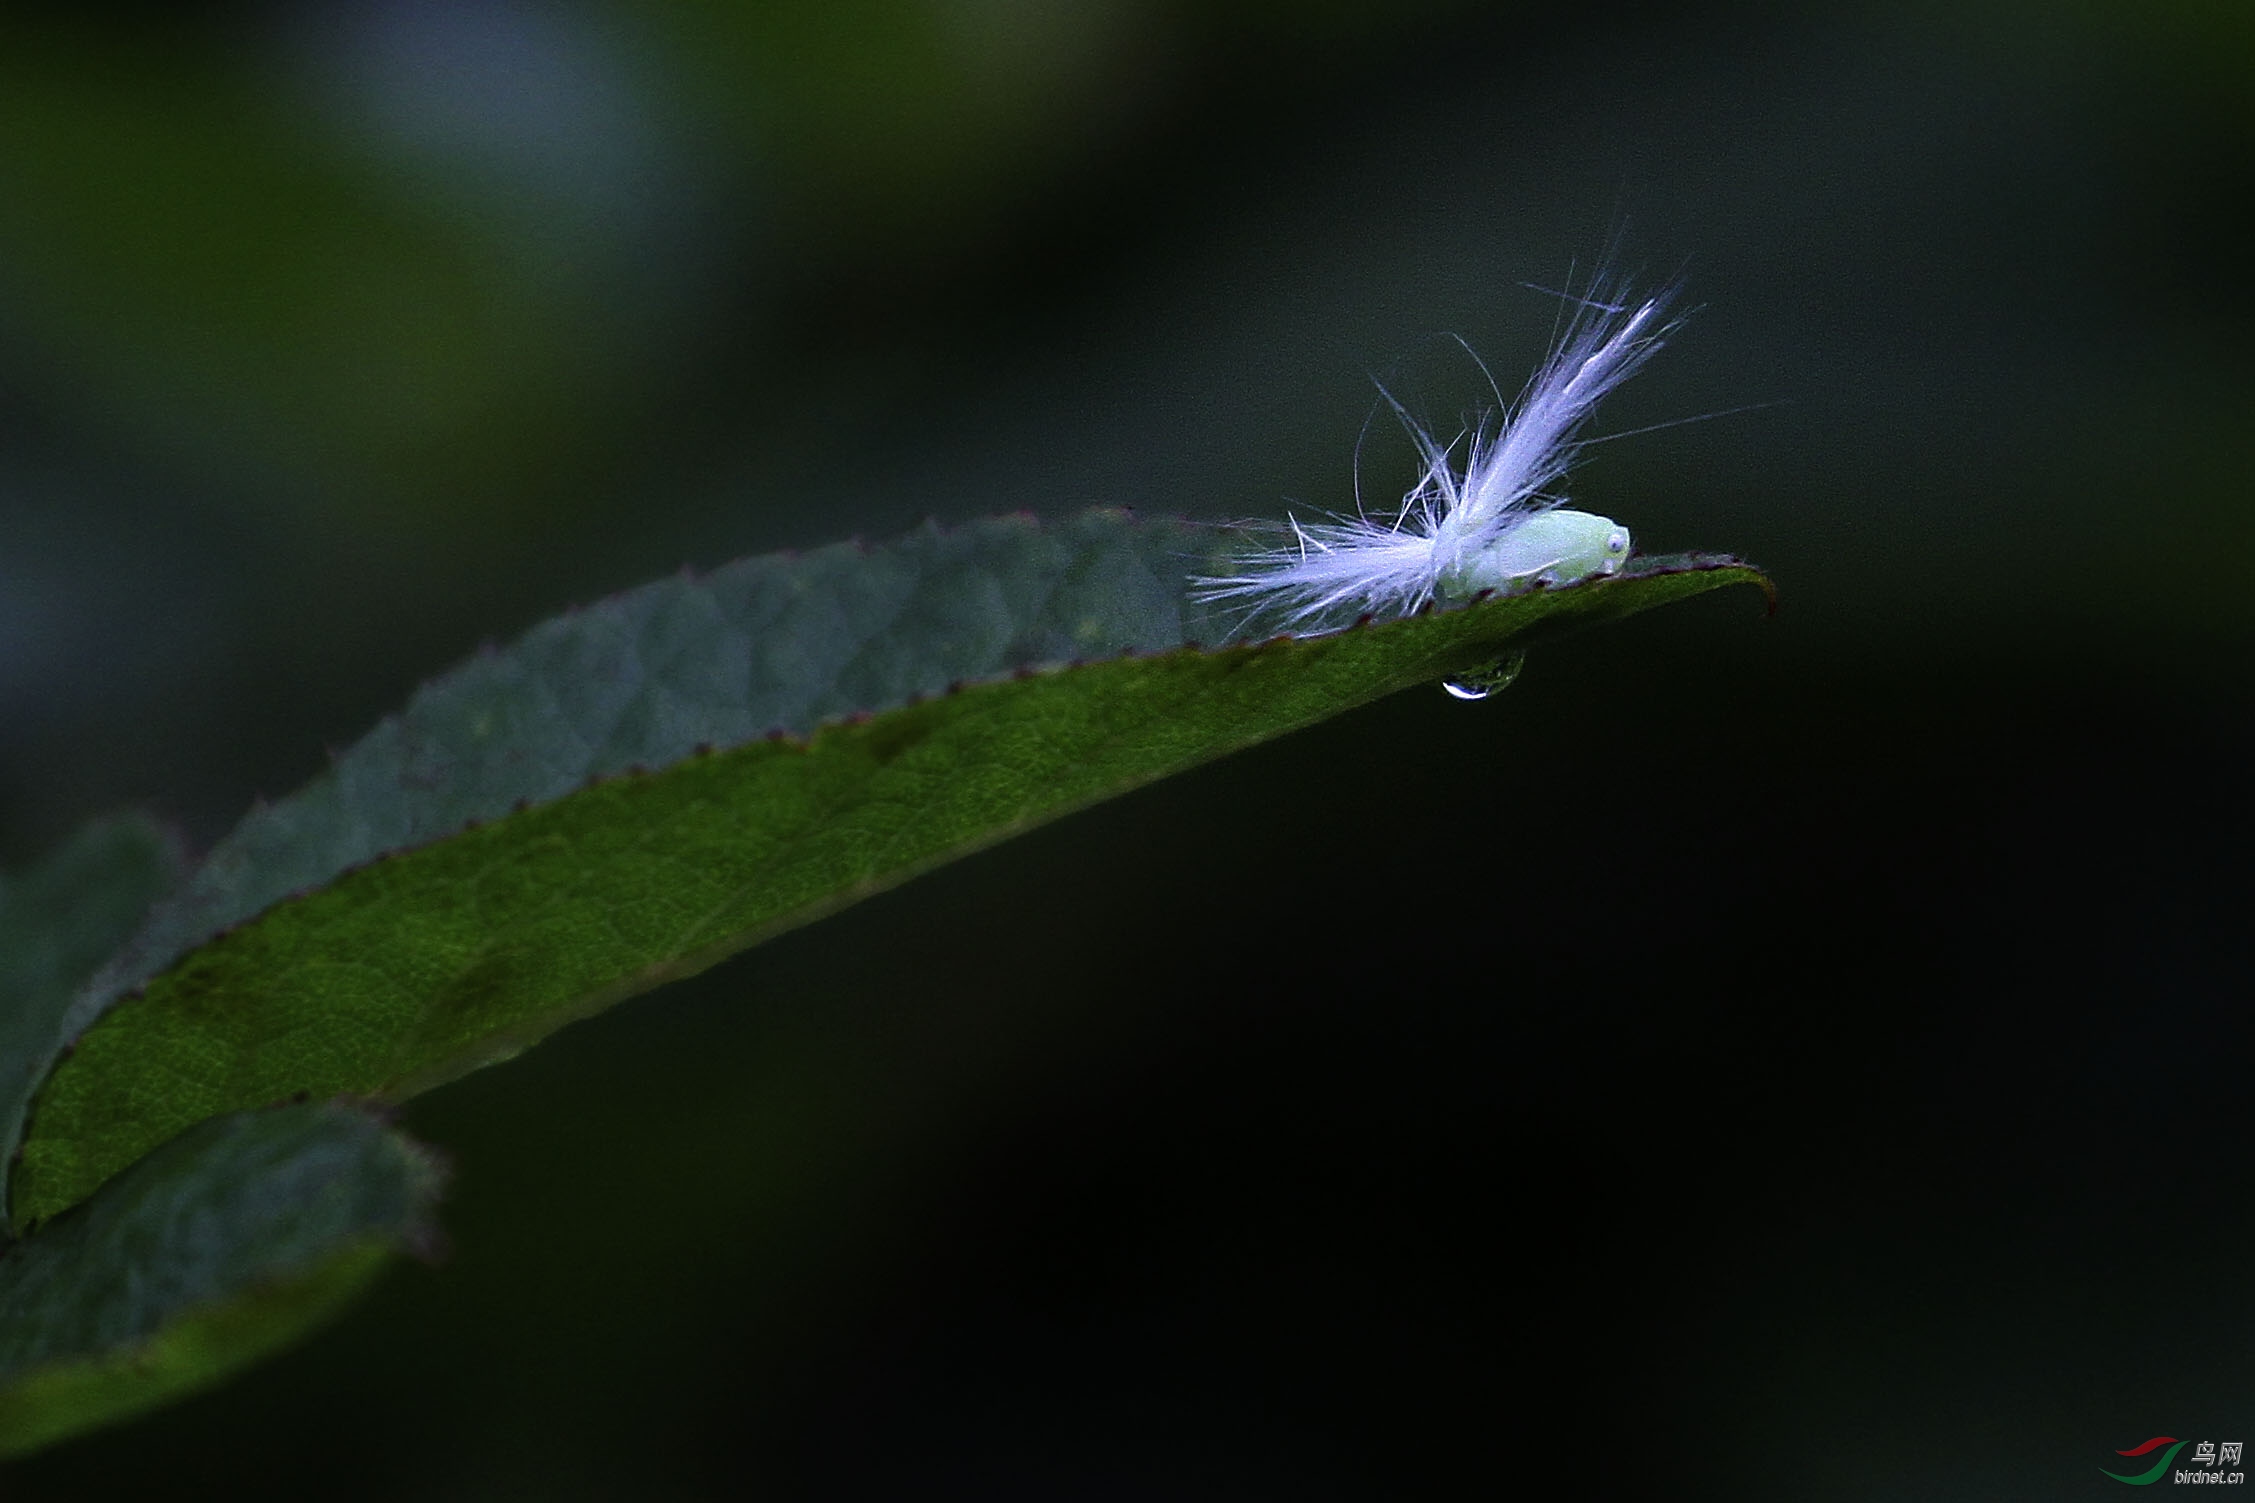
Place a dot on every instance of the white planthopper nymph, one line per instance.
(1499, 525)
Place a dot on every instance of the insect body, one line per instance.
(1546, 548)
(1499, 524)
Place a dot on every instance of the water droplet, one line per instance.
(1482, 682)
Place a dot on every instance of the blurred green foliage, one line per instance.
(225, 1245)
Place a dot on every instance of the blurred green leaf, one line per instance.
(568, 835)
(203, 258)
(227, 1243)
(58, 922)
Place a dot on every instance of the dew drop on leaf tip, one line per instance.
(1482, 682)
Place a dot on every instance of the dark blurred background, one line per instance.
(1795, 1059)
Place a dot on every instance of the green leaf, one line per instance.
(227, 1243)
(60, 920)
(569, 838)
